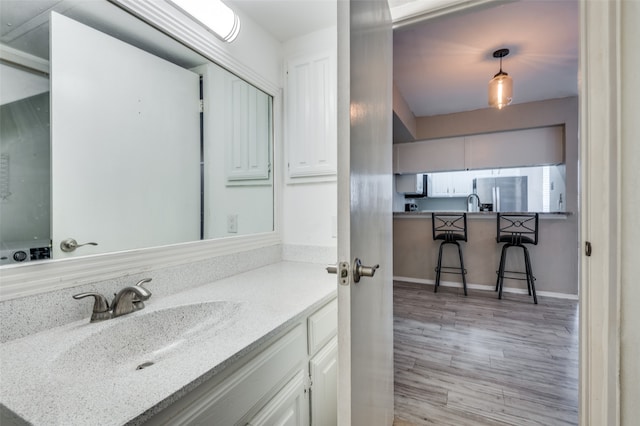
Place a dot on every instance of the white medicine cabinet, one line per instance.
(311, 129)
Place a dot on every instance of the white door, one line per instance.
(125, 140)
(365, 309)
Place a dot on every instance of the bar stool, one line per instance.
(516, 230)
(450, 228)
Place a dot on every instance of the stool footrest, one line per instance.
(450, 270)
(516, 273)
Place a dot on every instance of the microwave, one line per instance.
(412, 185)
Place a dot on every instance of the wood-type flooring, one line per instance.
(477, 360)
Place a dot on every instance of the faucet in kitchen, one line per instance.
(471, 207)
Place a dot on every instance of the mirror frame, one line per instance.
(38, 277)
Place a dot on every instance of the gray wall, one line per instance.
(559, 236)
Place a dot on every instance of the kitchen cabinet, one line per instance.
(248, 131)
(518, 148)
(433, 155)
(271, 384)
(311, 130)
(453, 184)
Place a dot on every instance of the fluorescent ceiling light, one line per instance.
(214, 14)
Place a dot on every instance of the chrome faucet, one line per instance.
(127, 300)
(471, 208)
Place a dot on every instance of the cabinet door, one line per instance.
(438, 185)
(248, 131)
(323, 369)
(431, 156)
(530, 147)
(286, 408)
(311, 129)
(461, 184)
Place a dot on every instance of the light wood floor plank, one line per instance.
(479, 361)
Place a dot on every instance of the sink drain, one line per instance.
(144, 365)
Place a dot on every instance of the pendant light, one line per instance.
(501, 85)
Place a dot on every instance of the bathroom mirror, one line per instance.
(116, 134)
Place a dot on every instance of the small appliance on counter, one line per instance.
(410, 207)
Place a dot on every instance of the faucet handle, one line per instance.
(100, 306)
(137, 303)
(142, 282)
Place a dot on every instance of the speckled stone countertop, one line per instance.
(46, 379)
(471, 215)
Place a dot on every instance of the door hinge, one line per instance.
(201, 105)
(587, 248)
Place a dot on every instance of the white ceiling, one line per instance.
(443, 65)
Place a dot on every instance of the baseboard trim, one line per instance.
(485, 287)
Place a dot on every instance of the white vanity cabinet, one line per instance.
(272, 384)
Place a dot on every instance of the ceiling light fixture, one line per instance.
(501, 85)
(213, 14)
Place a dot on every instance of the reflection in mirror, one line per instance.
(126, 154)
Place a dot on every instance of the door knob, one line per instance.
(360, 270)
(70, 245)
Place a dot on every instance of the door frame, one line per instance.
(600, 79)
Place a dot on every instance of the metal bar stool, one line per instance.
(450, 228)
(516, 230)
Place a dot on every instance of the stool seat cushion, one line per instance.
(450, 237)
(516, 239)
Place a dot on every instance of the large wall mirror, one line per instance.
(114, 136)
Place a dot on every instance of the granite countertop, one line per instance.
(47, 382)
(427, 213)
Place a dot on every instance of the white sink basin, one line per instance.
(142, 339)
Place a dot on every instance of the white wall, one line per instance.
(309, 209)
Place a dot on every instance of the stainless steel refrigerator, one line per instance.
(506, 194)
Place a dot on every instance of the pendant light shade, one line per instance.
(501, 85)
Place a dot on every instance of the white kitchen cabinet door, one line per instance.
(323, 370)
(286, 408)
(311, 115)
(529, 147)
(451, 184)
(248, 131)
(431, 156)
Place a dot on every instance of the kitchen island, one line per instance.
(555, 259)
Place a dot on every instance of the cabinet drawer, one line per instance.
(322, 326)
(227, 402)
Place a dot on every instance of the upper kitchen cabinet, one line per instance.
(529, 147)
(517, 148)
(432, 155)
(311, 129)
